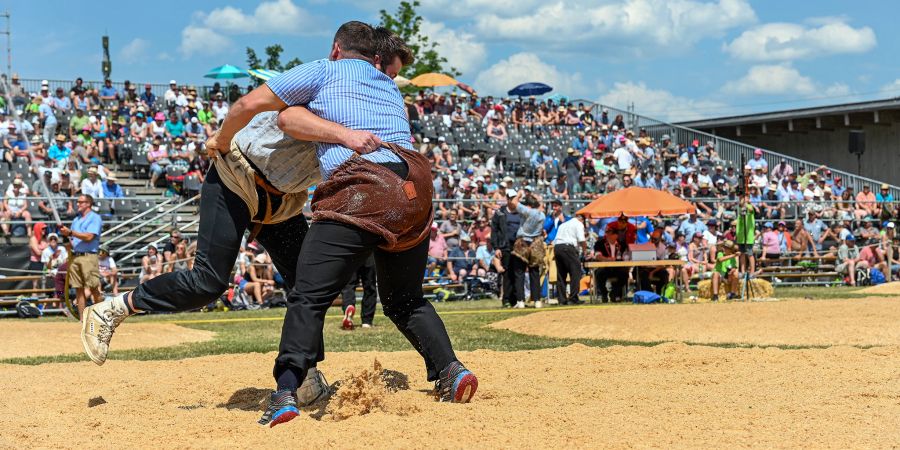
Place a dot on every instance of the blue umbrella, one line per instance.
(526, 89)
(226, 72)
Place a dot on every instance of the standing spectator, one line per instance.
(572, 167)
(554, 220)
(529, 248)
(504, 227)
(570, 238)
(84, 272)
(37, 244)
(746, 234)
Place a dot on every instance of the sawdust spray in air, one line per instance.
(370, 391)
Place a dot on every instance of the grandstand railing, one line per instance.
(33, 86)
(728, 149)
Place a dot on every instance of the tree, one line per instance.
(406, 23)
(273, 61)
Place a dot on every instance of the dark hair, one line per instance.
(357, 39)
(391, 46)
(89, 198)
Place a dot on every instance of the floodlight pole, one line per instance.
(8, 33)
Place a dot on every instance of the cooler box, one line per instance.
(642, 252)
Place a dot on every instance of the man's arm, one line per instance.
(259, 100)
(301, 124)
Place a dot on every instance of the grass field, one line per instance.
(466, 321)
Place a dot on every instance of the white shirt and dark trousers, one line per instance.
(569, 238)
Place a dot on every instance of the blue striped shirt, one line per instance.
(350, 92)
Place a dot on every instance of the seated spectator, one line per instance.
(884, 202)
(151, 264)
(111, 188)
(868, 233)
(158, 158)
(61, 200)
(174, 126)
(874, 258)
(109, 274)
(609, 249)
(848, 260)
(726, 270)
(866, 204)
(92, 185)
(496, 130)
(15, 207)
(758, 161)
(437, 247)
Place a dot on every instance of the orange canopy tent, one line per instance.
(433, 80)
(637, 201)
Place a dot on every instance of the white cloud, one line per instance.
(472, 8)
(525, 67)
(789, 41)
(278, 16)
(837, 90)
(195, 39)
(658, 103)
(770, 80)
(134, 51)
(461, 49)
(642, 26)
(892, 87)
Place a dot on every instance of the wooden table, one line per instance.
(676, 263)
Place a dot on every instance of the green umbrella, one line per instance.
(226, 72)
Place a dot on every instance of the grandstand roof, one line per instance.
(828, 110)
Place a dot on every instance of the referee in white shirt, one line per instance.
(569, 239)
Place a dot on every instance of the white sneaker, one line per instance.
(553, 301)
(519, 305)
(98, 323)
(367, 325)
(538, 304)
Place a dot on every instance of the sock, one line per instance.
(288, 379)
(122, 302)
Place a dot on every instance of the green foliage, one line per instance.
(406, 23)
(273, 61)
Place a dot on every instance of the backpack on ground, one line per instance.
(876, 277)
(862, 277)
(27, 310)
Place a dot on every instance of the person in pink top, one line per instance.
(437, 247)
(771, 242)
(159, 159)
(865, 203)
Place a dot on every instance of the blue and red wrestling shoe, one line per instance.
(282, 408)
(456, 384)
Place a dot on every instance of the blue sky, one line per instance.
(675, 59)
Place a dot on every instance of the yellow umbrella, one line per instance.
(401, 81)
(433, 79)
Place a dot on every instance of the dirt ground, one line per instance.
(31, 338)
(892, 288)
(671, 395)
(862, 322)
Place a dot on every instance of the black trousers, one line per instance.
(534, 282)
(224, 217)
(620, 278)
(568, 267)
(513, 278)
(655, 282)
(365, 275)
(331, 255)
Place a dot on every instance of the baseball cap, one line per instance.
(891, 225)
(850, 237)
(434, 225)
(757, 152)
(52, 236)
(442, 139)
(768, 225)
(172, 82)
(511, 193)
